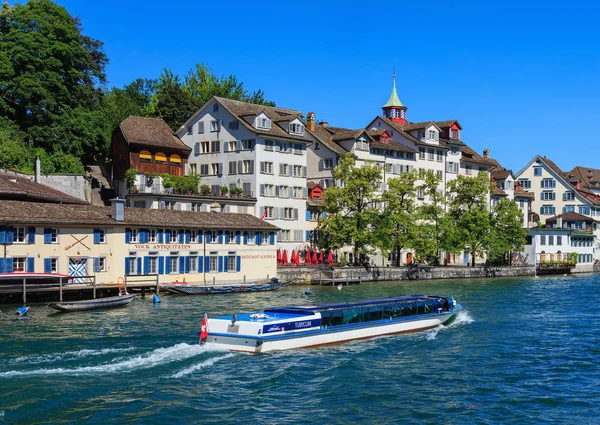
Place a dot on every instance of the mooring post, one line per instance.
(60, 291)
(94, 286)
(24, 291)
(320, 277)
(213, 280)
(244, 279)
(156, 284)
(143, 292)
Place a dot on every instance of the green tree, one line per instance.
(468, 213)
(508, 231)
(351, 207)
(50, 75)
(431, 230)
(396, 224)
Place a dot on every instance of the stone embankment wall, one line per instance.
(329, 276)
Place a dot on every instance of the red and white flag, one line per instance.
(264, 214)
(204, 328)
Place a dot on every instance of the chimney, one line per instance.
(215, 207)
(486, 153)
(324, 124)
(310, 121)
(37, 170)
(118, 209)
(559, 222)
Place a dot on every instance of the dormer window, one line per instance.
(362, 144)
(420, 134)
(216, 107)
(432, 135)
(453, 133)
(296, 128)
(263, 123)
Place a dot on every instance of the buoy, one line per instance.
(22, 311)
(307, 292)
(155, 299)
(340, 286)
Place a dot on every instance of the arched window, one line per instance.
(175, 159)
(145, 156)
(160, 157)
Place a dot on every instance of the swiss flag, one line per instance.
(204, 328)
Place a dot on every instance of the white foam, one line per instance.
(462, 318)
(68, 355)
(202, 365)
(158, 357)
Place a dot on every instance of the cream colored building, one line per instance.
(111, 243)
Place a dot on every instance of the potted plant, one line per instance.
(224, 190)
(131, 179)
(205, 189)
(237, 191)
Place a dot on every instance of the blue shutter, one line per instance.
(200, 264)
(199, 240)
(238, 236)
(272, 238)
(161, 236)
(181, 236)
(9, 265)
(187, 264)
(10, 235)
(47, 265)
(127, 271)
(31, 235)
(225, 264)
(96, 235)
(220, 236)
(146, 265)
(308, 236)
(227, 237)
(238, 263)
(259, 238)
(182, 264)
(47, 235)
(208, 237)
(167, 265)
(30, 264)
(307, 215)
(2, 235)
(564, 196)
(188, 236)
(161, 265)
(1, 265)
(139, 266)
(144, 235)
(167, 236)
(220, 264)
(207, 264)
(245, 238)
(96, 265)
(127, 236)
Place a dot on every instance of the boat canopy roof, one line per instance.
(316, 308)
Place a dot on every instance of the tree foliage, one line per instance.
(350, 207)
(508, 231)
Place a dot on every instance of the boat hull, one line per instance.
(327, 336)
(224, 289)
(108, 302)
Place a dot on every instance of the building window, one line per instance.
(134, 236)
(174, 262)
(266, 167)
(430, 153)
(453, 133)
(231, 262)
(269, 145)
(569, 196)
(153, 265)
(232, 168)
(439, 174)
(160, 158)
(132, 265)
(584, 210)
(247, 166)
(214, 125)
(139, 204)
(200, 127)
(145, 156)
(548, 183)
(537, 171)
(296, 128)
(19, 264)
(234, 125)
(101, 265)
(216, 107)
(550, 239)
(422, 153)
(205, 147)
(432, 135)
(193, 236)
(173, 236)
(212, 236)
(247, 144)
(420, 194)
(542, 239)
(251, 238)
(468, 170)
(53, 265)
(452, 167)
(558, 240)
(328, 163)
(20, 235)
(547, 210)
(314, 215)
(263, 123)
(548, 196)
(439, 156)
(101, 235)
(190, 130)
(214, 261)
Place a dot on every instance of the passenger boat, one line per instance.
(107, 302)
(304, 326)
(267, 285)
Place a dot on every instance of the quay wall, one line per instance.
(328, 275)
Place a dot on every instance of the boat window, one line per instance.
(331, 318)
(354, 315)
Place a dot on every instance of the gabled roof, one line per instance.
(591, 197)
(396, 126)
(470, 156)
(500, 174)
(448, 124)
(588, 177)
(411, 126)
(151, 132)
(520, 193)
(22, 188)
(19, 212)
(571, 216)
(325, 137)
(391, 145)
(497, 191)
(347, 135)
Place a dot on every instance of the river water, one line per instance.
(524, 351)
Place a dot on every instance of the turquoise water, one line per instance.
(524, 351)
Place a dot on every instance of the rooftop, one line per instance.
(22, 188)
(151, 132)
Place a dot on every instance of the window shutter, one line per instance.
(161, 265)
(262, 190)
(208, 237)
(307, 215)
(167, 265)
(227, 237)
(225, 146)
(240, 167)
(30, 264)
(259, 238)
(238, 145)
(245, 238)
(238, 236)
(182, 264)
(219, 263)
(2, 236)
(201, 127)
(321, 165)
(272, 238)
(47, 235)
(144, 235)
(96, 235)
(200, 264)
(220, 236)
(225, 264)
(139, 265)
(238, 263)
(282, 169)
(47, 265)
(31, 235)
(127, 270)
(304, 171)
(127, 236)
(251, 166)
(305, 192)
(181, 236)
(160, 236)
(197, 149)
(295, 213)
(308, 236)
(220, 168)
(262, 166)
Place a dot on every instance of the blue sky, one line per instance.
(522, 77)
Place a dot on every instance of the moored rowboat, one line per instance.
(304, 326)
(107, 302)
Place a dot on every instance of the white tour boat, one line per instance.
(304, 326)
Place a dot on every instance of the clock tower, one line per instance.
(394, 109)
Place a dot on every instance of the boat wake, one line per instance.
(202, 365)
(158, 357)
(68, 355)
(462, 318)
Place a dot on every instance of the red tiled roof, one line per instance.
(151, 132)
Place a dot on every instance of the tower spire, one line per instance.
(394, 109)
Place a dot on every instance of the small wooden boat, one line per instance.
(267, 285)
(302, 326)
(107, 302)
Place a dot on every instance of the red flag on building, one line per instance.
(264, 214)
(204, 329)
